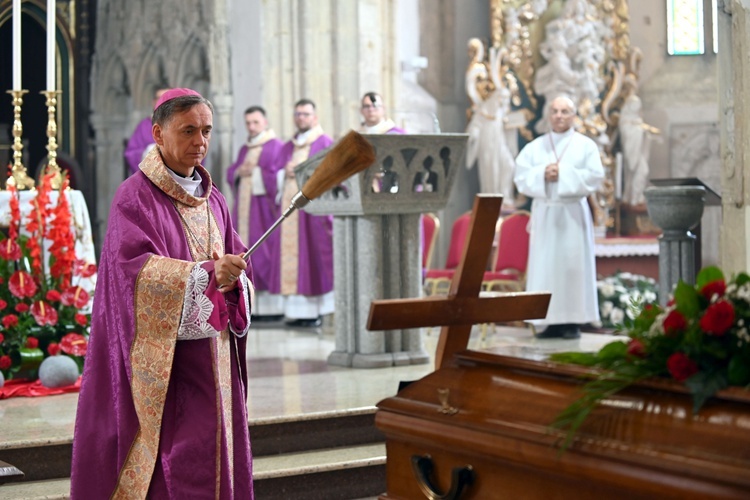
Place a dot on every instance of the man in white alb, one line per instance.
(559, 170)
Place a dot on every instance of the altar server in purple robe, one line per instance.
(304, 273)
(141, 141)
(559, 170)
(162, 409)
(374, 120)
(253, 178)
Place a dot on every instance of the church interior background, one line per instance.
(113, 56)
(438, 64)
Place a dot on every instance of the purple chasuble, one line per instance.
(200, 446)
(138, 142)
(263, 211)
(315, 264)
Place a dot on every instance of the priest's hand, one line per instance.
(551, 172)
(227, 270)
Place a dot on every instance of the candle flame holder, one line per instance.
(18, 175)
(52, 167)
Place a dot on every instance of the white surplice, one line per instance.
(561, 248)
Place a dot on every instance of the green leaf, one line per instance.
(612, 351)
(707, 275)
(741, 279)
(576, 358)
(687, 299)
(703, 385)
(738, 371)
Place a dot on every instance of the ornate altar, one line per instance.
(540, 49)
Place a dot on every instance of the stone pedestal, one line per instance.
(675, 209)
(377, 239)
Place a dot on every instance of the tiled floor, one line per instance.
(289, 377)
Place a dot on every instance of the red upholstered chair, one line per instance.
(430, 230)
(439, 279)
(512, 255)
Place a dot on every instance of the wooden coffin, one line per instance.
(484, 418)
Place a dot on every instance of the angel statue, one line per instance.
(635, 138)
(492, 146)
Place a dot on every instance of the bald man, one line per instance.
(559, 170)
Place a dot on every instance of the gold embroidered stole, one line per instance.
(245, 186)
(160, 295)
(290, 229)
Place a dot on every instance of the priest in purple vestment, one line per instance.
(254, 187)
(304, 273)
(162, 409)
(141, 141)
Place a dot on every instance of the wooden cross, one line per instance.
(463, 307)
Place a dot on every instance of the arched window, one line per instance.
(691, 27)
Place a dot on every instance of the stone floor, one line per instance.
(289, 379)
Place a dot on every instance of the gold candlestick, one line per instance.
(52, 166)
(18, 175)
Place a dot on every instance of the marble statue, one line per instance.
(635, 137)
(492, 146)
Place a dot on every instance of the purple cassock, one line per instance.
(138, 143)
(264, 210)
(315, 240)
(162, 409)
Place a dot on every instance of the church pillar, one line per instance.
(330, 51)
(221, 93)
(734, 101)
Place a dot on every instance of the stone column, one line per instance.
(734, 106)
(676, 210)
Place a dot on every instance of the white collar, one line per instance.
(192, 185)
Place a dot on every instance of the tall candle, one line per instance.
(51, 45)
(16, 44)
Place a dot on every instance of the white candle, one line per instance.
(16, 44)
(51, 45)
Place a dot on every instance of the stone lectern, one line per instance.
(376, 234)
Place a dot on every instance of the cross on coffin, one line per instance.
(462, 307)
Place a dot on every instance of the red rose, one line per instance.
(22, 307)
(53, 296)
(674, 324)
(32, 342)
(2, 338)
(53, 349)
(719, 318)
(3, 304)
(681, 367)
(5, 362)
(10, 321)
(636, 348)
(82, 319)
(715, 287)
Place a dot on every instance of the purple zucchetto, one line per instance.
(173, 94)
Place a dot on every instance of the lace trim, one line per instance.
(197, 308)
(246, 291)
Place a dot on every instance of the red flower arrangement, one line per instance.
(43, 311)
(701, 338)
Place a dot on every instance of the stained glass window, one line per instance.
(687, 28)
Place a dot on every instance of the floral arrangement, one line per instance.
(621, 295)
(700, 339)
(43, 312)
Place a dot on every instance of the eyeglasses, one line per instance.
(302, 113)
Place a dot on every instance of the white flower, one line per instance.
(624, 299)
(617, 315)
(632, 312)
(649, 296)
(606, 308)
(608, 289)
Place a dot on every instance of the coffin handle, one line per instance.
(461, 477)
